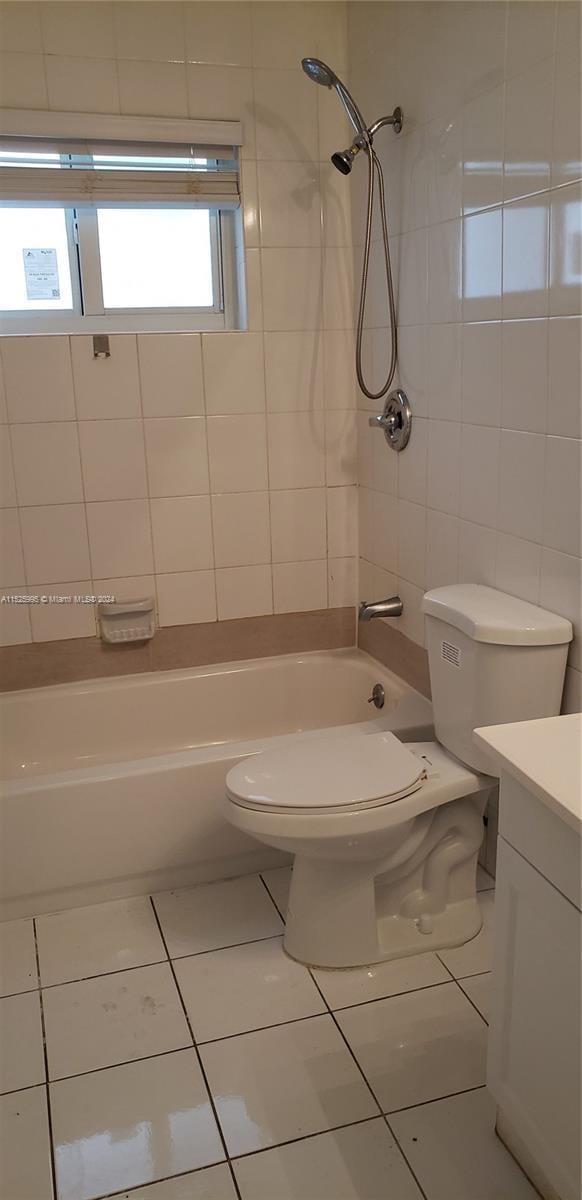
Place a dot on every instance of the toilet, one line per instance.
(386, 835)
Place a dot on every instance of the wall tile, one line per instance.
(188, 597)
(153, 89)
(218, 35)
(411, 542)
(528, 130)
(171, 374)
(296, 450)
(445, 180)
(237, 451)
(565, 254)
(342, 582)
(106, 387)
(336, 206)
(517, 567)
(294, 371)
(7, 484)
(572, 698)
(412, 276)
(223, 94)
(561, 592)
(234, 373)
(482, 266)
(113, 460)
(379, 529)
(479, 474)
(55, 543)
(442, 550)
(298, 304)
(82, 84)
(567, 132)
(120, 538)
(565, 353)
(281, 33)
(244, 592)
(20, 28)
(38, 378)
(477, 547)
(415, 170)
(525, 375)
(525, 258)
(338, 288)
(531, 29)
(342, 522)
(481, 373)
(484, 46)
(134, 587)
(290, 204)
(14, 624)
(298, 524)
(182, 533)
(413, 366)
(444, 271)
(562, 495)
(23, 81)
(341, 462)
(58, 621)
(412, 464)
(81, 30)
(286, 116)
(300, 587)
(521, 467)
(150, 31)
(483, 151)
(177, 456)
(47, 466)
(445, 357)
(444, 451)
(3, 408)
(241, 529)
(11, 556)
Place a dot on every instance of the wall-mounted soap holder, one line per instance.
(127, 620)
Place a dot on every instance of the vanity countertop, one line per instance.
(546, 757)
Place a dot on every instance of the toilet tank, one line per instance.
(493, 659)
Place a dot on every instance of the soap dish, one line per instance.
(127, 620)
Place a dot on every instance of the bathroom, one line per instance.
(200, 488)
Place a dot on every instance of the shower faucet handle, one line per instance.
(395, 420)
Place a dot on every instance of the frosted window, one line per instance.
(155, 258)
(32, 228)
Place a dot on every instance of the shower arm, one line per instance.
(395, 119)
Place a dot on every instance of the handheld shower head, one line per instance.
(320, 72)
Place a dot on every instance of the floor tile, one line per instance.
(17, 957)
(475, 956)
(359, 984)
(97, 939)
(362, 1162)
(478, 989)
(22, 1053)
(215, 915)
(278, 881)
(25, 1162)
(454, 1152)
(113, 1019)
(284, 1083)
(419, 1046)
(485, 881)
(212, 1183)
(132, 1125)
(243, 988)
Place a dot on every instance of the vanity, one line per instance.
(534, 1060)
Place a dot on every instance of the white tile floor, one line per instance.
(169, 1050)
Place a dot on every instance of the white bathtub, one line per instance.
(114, 787)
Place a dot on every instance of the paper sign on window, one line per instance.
(41, 273)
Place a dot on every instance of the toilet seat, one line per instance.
(327, 775)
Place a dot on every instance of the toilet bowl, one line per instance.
(386, 835)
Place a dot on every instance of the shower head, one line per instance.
(343, 160)
(320, 72)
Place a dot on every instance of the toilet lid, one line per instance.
(363, 770)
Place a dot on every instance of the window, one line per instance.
(109, 235)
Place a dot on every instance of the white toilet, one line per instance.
(385, 835)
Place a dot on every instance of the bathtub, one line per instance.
(113, 787)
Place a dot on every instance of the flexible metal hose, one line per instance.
(374, 165)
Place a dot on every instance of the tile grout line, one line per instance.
(352, 1055)
(46, 1068)
(198, 1056)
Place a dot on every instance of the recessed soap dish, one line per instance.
(127, 620)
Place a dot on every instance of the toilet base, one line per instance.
(349, 914)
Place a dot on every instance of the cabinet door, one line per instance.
(534, 1041)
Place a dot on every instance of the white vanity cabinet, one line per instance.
(535, 1050)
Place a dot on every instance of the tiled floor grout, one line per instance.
(198, 1056)
(46, 1068)
(196, 1045)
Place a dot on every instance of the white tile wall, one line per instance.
(485, 219)
(191, 464)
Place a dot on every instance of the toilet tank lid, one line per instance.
(487, 615)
